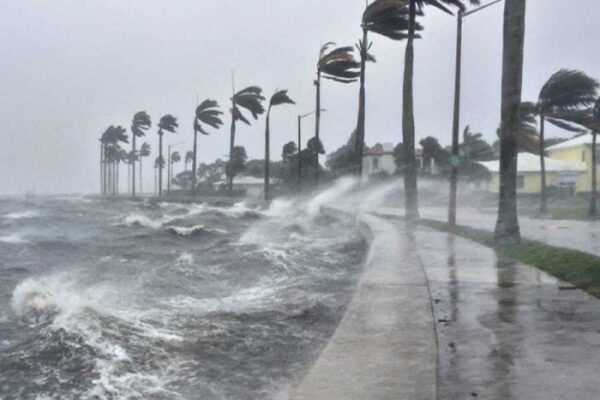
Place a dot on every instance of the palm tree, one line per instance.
(110, 140)
(175, 158)
(337, 65)
(139, 125)
(208, 113)
(159, 164)
(565, 91)
(144, 152)
(250, 99)
(167, 123)
(408, 118)
(388, 18)
(189, 157)
(278, 98)
(507, 226)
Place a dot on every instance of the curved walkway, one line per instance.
(384, 347)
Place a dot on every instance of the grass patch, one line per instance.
(576, 267)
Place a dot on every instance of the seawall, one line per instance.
(385, 346)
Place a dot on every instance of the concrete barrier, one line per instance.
(384, 347)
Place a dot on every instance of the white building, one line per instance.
(253, 187)
(379, 158)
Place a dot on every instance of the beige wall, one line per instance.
(581, 153)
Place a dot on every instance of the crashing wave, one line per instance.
(195, 230)
(15, 238)
(22, 215)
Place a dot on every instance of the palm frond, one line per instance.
(250, 99)
(141, 123)
(208, 112)
(280, 97)
(339, 64)
(567, 90)
(568, 126)
(238, 116)
(168, 123)
(389, 18)
(444, 5)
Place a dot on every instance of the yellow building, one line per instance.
(577, 150)
(559, 173)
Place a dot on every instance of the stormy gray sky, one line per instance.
(70, 68)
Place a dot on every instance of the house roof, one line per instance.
(575, 142)
(528, 162)
(246, 180)
(379, 149)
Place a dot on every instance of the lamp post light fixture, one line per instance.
(455, 159)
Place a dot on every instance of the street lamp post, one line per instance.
(300, 117)
(169, 167)
(455, 159)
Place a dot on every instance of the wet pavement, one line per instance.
(576, 235)
(506, 330)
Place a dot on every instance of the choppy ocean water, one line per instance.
(135, 300)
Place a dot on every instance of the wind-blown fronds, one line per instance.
(167, 123)
(208, 112)
(250, 99)
(114, 134)
(360, 47)
(175, 157)
(141, 123)
(567, 90)
(145, 150)
(280, 97)
(389, 18)
(338, 64)
(159, 162)
(442, 4)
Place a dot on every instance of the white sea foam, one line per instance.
(185, 259)
(22, 215)
(341, 187)
(14, 238)
(196, 230)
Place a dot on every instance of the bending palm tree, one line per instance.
(189, 157)
(139, 125)
(280, 97)
(144, 152)
(337, 65)
(167, 123)
(507, 226)
(384, 17)
(175, 158)
(251, 100)
(159, 164)
(208, 113)
(564, 92)
(408, 119)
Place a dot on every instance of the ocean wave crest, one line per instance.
(196, 230)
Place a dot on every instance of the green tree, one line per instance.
(338, 65)
(175, 158)
(189, 157)
(206, 113)
(343, 160)
(279, 97)
(167, 123)
(251, 100)
(507, 226)
(139, 125)
(237, 162)
(474, 147)
(565, 91)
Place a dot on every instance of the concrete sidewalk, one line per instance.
(507, 330)
(576, 235)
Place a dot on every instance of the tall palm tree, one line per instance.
(159, 164)
(507, 226)
(387, 18)
(565, 91)
(338, 65)
(207, 113)
(278, 98)
(139, 125)
(167, 123)
(250, 99)
(110, 139)
(144, 152)
(189, 157)
(408, 118)
(175, 158)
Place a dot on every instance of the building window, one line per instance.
(520, 182)
(375, 164)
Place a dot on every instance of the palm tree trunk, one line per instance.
(267, 157)
(155, 181)
(160, 167)
(194, 178)
(101, 168)
(543, 199)
(507, 226)
(231, 145)
(593, 210)
(318, 125)
(128, 176)
(360, 126)
(133, 166)
(140, 166)
(408, 121)
(118, 180)
(456, 124)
